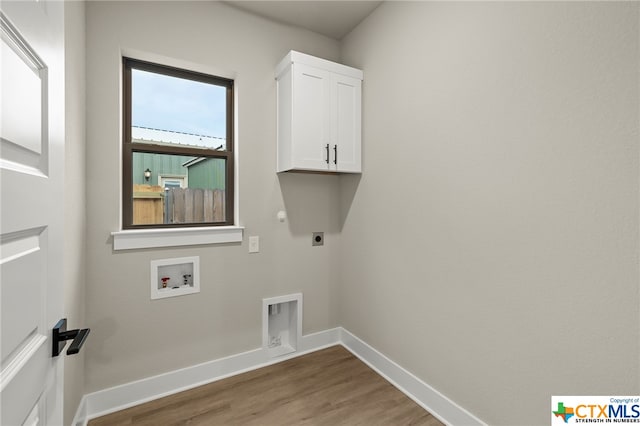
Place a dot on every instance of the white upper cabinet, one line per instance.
(319, 115)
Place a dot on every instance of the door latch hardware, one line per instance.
(61, 335)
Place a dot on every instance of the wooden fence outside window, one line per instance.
(153, 204)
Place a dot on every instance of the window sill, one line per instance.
(171, 237)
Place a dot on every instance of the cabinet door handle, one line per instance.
(327, 153)
(335, 154)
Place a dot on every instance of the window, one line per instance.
(177, 147)
(171, 181)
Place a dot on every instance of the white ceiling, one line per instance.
(332, 18)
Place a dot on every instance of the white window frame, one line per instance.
(131, 239)
(182, 179)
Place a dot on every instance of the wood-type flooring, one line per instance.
(328, 387)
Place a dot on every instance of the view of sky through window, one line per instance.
(180, 106)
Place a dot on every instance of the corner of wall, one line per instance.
(75, 199)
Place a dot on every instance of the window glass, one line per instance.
(177, 147)
(158, 200)
(172, 110)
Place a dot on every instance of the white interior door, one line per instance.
(31, 216)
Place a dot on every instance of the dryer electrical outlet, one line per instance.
(317, 239)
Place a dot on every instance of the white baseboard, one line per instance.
(127, 395)
(424, 395)
(80, 419)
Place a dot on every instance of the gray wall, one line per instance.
(74, 199)
(491, 244)
(491, 247)
(133, 337)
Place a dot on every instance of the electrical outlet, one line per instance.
(317, 239)
(254, 244)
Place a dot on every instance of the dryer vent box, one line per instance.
(281, 324)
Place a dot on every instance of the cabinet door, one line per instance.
(346, 124)
(311, 120)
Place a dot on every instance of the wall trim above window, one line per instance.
(172, 237)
